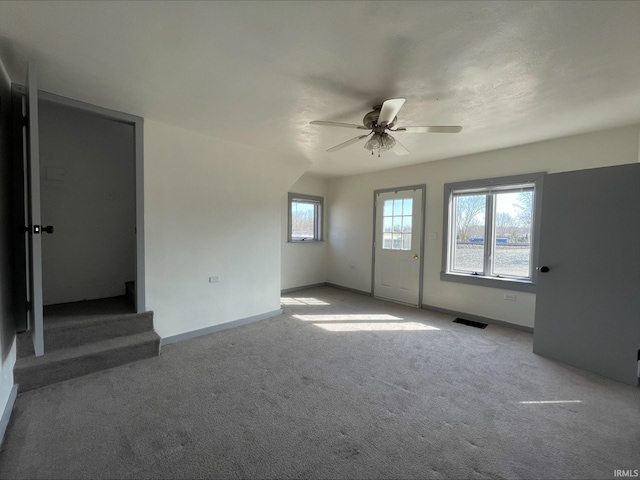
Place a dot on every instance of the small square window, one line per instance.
(305, 218)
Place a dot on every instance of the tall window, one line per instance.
(305, 218)
(491, 230)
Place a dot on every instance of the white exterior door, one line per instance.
(398, 245)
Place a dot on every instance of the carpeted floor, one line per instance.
(340, 386)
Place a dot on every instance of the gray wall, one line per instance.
(7, 321)
(88, 195)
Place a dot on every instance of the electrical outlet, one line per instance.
(214, 279)
(510, 296)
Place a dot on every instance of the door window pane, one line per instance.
(406, 224)
(386, 241)
(397, 207)
(407, 206)
(388, 208)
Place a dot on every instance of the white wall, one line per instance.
(350, 209)
(87, 180)
(211, 208)
(7, 320)
(304, 263)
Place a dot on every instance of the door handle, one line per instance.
(415, 256)
(38, 229)
(544, 269)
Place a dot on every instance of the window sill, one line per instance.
(305, 241)
(492, 282)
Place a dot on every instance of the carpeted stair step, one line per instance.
(76, 332)
(56, 366)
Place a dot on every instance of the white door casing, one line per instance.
(399, 244)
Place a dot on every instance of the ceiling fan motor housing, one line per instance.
(370, 120)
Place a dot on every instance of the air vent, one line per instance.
(470, 323)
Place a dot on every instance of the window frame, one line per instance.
(317, 217)
(485, 186)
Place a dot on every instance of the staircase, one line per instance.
(85, 337)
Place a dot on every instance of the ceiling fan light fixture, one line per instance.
(381, 118)
(381, 142)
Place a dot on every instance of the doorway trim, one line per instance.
(423, 188)
(138, 142)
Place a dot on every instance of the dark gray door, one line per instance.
(19, 213)
(588, 302)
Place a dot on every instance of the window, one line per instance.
(305, 218)
(491, 231)
(397, 215)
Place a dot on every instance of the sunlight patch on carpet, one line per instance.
(534, 402)
(374, 326)
(363, 323)
(339, 318)
(302, 301)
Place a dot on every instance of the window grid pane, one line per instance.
(397, 224)
(469, 230)
(512, 237)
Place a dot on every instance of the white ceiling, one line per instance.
(257, 73)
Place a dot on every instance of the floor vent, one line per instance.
(471, 323)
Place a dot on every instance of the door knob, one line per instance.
(544, 269)
(415, 256)
(47, 229)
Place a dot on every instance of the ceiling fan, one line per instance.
(379, 120)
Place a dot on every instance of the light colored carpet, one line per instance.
(340, 386)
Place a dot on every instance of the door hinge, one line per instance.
(29, 306)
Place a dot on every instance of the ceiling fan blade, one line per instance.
(347, 143)
(389, 110)
(440, 129)
(400, 149)
(338, 124)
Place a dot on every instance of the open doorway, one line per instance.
(88, 195)
(89, 185)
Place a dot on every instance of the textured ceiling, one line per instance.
(257, 73)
